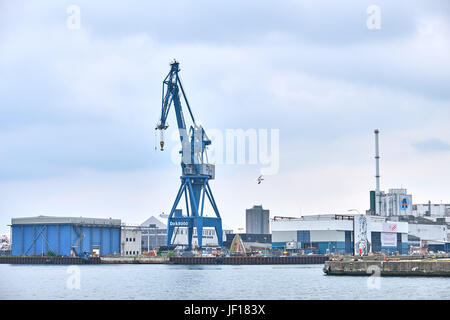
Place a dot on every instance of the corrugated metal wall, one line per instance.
(59, 238)
(319, 241)
(401, 247)
(303, 236)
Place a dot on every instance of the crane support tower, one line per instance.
(195, 169)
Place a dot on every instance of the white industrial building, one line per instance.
(337, 233)
(429, 232)
(425, 229)
(130, 241)
(431, 210)
(435, 237)
(425, 233)
(395, 203)
(154, 234)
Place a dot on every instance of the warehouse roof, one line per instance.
(66, 220)
(153, 222)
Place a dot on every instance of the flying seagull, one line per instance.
(260, 178)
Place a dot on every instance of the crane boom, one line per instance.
(198, 139)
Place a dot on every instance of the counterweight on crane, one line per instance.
(195, 169)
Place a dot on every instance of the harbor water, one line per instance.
(125, 281)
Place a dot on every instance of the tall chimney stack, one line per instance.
(377, 176)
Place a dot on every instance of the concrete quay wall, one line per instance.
(389, 268)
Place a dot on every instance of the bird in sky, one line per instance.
(260, 178)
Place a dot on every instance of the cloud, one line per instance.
(431, 145)
(237, 23)
(73, 101)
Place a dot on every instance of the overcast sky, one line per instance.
(78, 107)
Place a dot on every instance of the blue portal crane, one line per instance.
(195, 169)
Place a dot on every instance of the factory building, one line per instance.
(398, 203)
(432, 236)
(317, 234)
(394, 203)
(131, 243)
(322, 234)
(426, 233)
(257, 220)
(431, 210)
(67, 236)
(428, 230)
(153, 234)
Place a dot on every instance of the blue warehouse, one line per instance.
(66, 236)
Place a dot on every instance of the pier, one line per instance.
(398, 267)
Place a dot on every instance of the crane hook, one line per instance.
(162, 140)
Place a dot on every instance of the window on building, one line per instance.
(134, 239)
